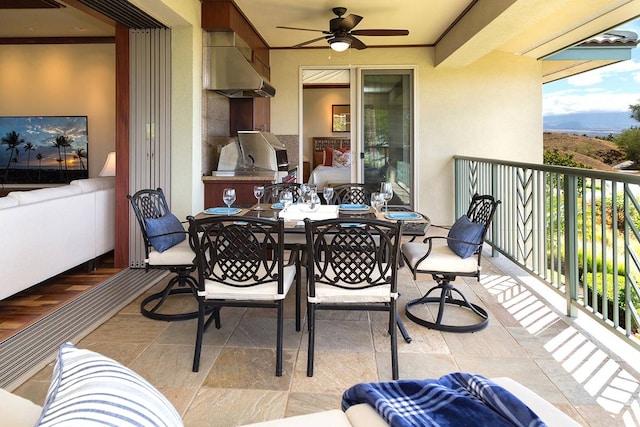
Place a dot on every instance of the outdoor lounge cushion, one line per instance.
(164, 232)
(88, 389)
(463, 230)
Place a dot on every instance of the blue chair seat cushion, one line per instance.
(462, 231)
(164, 232)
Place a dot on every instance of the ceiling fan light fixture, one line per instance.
(340, 43)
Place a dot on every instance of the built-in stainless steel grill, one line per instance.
(254, 152)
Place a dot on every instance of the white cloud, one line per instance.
(565, 102)
(599, 75)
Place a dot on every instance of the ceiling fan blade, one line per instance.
(380, 32)
(309, 42)
(304, 29)
(356, 43)
(347, 23)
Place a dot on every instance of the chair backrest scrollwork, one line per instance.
(238, 253)
(148, 204)
(352, 254)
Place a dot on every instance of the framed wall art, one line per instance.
(341, 118)
(43, 149)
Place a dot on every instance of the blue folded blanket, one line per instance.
(457, 399)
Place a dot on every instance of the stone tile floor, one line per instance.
(528, 339)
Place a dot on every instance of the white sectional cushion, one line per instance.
(8, 202)
(552, 416)
(16, 411)
(42, 194)
(94, 184)
(330, 418)
(363, 415)
(89, 389)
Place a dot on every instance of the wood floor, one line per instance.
(26, 307)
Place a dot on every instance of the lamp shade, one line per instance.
(109, 168)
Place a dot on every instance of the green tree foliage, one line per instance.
(635, 112)
(629, 142)
(555, 157)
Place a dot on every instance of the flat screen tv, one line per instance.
(43, 149)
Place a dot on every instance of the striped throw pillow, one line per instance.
(89, 389)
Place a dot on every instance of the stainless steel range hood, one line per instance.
(228, 70)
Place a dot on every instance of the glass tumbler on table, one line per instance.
(228, 197)
(258, 192)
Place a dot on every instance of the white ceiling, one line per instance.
(425, 20)
(464, 30)
(62, 22)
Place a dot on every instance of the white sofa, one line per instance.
(16, 411)
(47, 231)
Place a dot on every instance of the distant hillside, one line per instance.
(590, 124)
(594, 152)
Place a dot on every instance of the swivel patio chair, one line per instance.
(241, 264)
(445, 258)
(167, 248)
(352, 265)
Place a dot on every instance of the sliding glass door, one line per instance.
(387, 131)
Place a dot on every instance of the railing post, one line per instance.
(495, 226)
(570, 243)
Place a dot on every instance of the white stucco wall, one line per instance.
(63, 80)
(492, 109)
(183, 16)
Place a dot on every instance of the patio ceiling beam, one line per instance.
(485, 25)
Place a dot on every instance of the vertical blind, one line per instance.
(150, 122)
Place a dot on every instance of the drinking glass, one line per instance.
(327, 193)
(228, 197)
(304, 190)
(386, 191)
(258, 192)
(286, 199)
(376, 201)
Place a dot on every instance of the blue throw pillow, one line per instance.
(464, 229)
(164, 232)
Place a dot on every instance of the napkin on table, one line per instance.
(297, 213)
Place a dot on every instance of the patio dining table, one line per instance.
(413, 225)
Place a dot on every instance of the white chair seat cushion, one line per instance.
(180, 254)
(333, 294)
(441, 258)
(263, 292)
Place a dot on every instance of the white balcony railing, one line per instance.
(577, 230)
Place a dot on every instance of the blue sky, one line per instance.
(607, 89)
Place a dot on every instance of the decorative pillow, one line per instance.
(341, 159)
(327, 159)
(88, 389)
(164, 232)
(464, 229)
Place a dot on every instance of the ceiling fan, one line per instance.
(341, 35)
